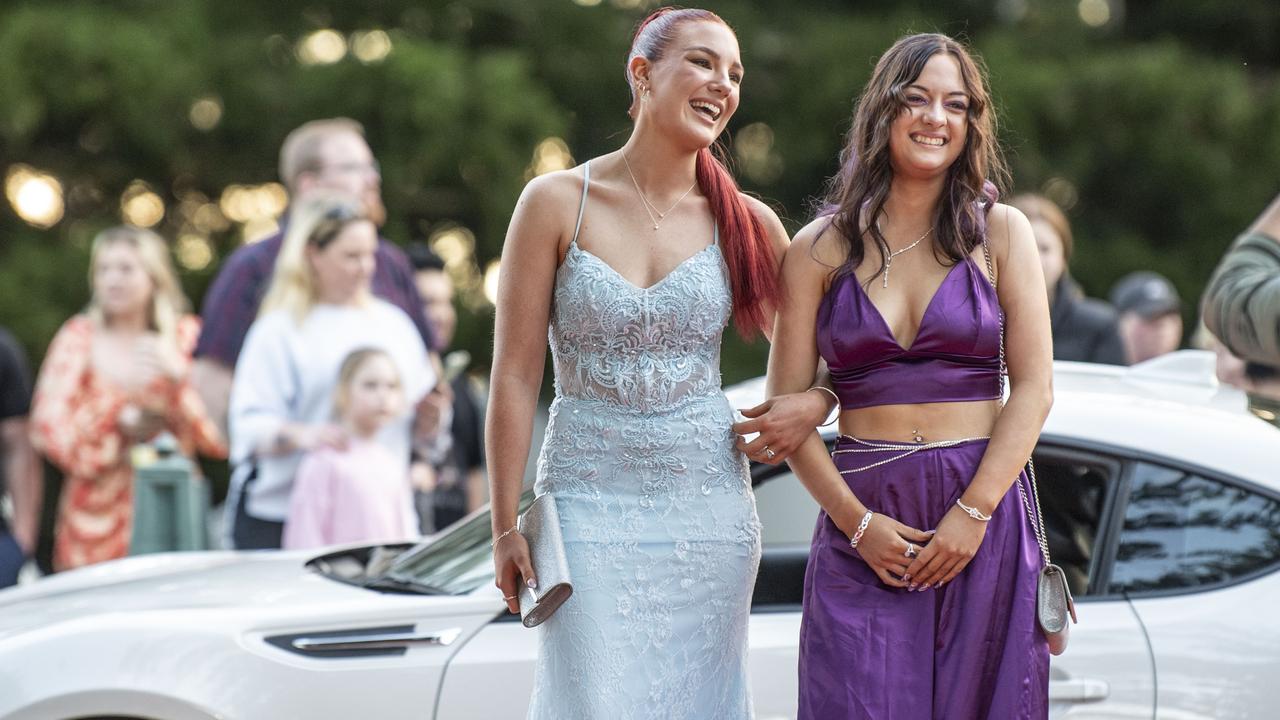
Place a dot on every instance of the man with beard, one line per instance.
(322, 154)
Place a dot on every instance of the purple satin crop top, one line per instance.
(955, 357)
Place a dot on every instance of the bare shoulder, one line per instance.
(553, 190)
(1007, 228)
(547, 209)
(821, 243)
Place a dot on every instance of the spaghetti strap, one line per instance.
(582, 207)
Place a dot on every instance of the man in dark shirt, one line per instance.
(19, 467)
(449, 487)
(330, 154)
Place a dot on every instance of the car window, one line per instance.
(1182, 530)
(1073, 491)
(457, 560)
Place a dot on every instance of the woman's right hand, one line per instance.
(884, 546)
(511, 563)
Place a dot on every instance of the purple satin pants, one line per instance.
(968, 651)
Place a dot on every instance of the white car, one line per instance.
(1162, 498)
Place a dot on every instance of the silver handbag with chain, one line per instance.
(1054, 603)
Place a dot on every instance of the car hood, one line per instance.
(173, 582)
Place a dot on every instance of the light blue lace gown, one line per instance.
(656, 504)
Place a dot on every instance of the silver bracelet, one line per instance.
(862, 527)
(973, 512)
(498, 539)
(835, 397)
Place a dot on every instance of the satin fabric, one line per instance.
(968, 651)
(953, 358)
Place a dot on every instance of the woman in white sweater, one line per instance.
(318, 309)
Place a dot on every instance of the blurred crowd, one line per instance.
(315, 369)
(320, 368)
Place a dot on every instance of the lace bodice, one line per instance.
(647, 349)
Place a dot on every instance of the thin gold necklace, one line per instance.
(890, 255)
(649, 207)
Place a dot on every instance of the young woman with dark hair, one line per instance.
(915, 286)
(637, 261)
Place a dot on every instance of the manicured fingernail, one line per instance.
(935, 587)
(912, 587)
(906, 578)
(531, 583)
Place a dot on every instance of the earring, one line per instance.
(644, 94)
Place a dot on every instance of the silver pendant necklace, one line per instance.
(890, 255)
(649, 207)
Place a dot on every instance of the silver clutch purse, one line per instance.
(540, 526)
(1054, 606)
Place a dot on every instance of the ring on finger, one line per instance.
(509, 597)
(769, 453)
(911, 551)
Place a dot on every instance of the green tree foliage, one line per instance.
(1156, 127)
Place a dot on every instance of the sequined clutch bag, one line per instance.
(1053, 606)
(1054, 603)
(540, 526)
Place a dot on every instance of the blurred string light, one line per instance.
(491, 281)
(193, 251)
(628, 4)
(371, 46)
(753, 145)
(550, 155)
(587, 3)
(140, 205)
(206, 113)
(1094, 13)
(35, 196)
(1062, 192)
(256, 207)
(322, 47)
(456, 245)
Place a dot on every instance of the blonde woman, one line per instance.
(319, 308)
(115, 375)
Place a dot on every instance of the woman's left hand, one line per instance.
(784, 422)
(954, 544)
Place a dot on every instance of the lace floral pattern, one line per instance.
(659, 519)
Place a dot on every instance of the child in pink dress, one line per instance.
(355, 490)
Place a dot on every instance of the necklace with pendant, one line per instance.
(890, 255)
(649, 207)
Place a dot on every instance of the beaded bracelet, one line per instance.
(499, 538)
(835, 397)
(862, 527)
(973, 512)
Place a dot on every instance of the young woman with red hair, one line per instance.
(637, 261)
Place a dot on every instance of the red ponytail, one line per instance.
(753, 270)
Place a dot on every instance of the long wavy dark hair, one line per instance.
(856, 195)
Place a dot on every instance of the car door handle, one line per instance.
(1079, 690)
(382, 641)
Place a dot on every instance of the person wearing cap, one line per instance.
(1150, 315)
(1242, 302)
(1084, 329)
